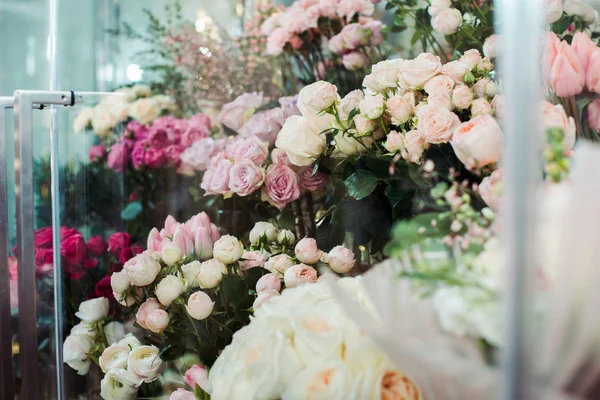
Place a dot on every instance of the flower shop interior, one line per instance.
(299, 199)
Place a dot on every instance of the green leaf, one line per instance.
(361, 184)
(131, 211)
(561, 25)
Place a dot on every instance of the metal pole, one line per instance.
(7, 379)
(520, 24)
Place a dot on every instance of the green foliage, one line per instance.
(361, 184)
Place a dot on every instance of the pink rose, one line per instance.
(245, 177)
(554, 116)
(197, 375)
(491, 46)
(97, 246)
(340, 259)
(263, 125)
(349, 8)
(268, 282)
(118, 241)
(253, 259)
(413, 148)
(354, 61)
(566, 75)
(137, 155)
(182, 394)
(216, 178)
(478, 142)
(163, 131)
(117, 157)
(97, 153)
(198, 156)
(471, 58)
(154, 157)
(235, 114)
(173, 153)
(281, 186)
(307, 251)
(447, 21)
(355, 35)
(74, 249)
(312, 181)
(42, 238)
(299, 274)
(250, 149)
(137, 130)
(414, 74)
(337, 45)
(145, 310)
(593, 114)
(441, 84)
(490, 189)
(436, 124)
(455, 70)
(462, 97)
(279, 156)
(480, 107)
(593, 72)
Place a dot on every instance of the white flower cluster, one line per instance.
(134, 102)
(573, 8)
(444, 18)
(302, 346)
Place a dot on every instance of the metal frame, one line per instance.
(25, 101)
(7, 378)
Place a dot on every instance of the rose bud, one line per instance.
(97, 246)
(119, 282)
(157, 321)
(307, 251)
(199, 305)
(266, 229)
(340, 259)
(171, 253)
(299, 274)
(268, 282)
(263, 297)
(228, 249)
(279, 264)
(286, 236)
(197, 375)
(168, 289)
(145, 310)
(211, 273)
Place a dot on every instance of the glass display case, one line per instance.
(309, 199)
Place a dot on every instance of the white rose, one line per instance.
(142, 269)
(386, 72)
(480, 107)
(279, 264)
(93, 310)
(171, 253)
(394, 142)
(144, 110)
(491, 46)
(471, 58)
(348, 145)
(363, 124)
(211, 273)
(119, 282)
(261, 229)
(302, 144)
(591, 15)
(190, 273)
(129, 341)
(447, 21)
(227, 249)
(116, 385)
(455, 70)
(438, 6)
(168, 289)
(414, 74)
(317, 97)
(328, 381)
(145, 363)
(114, 356)
(554, 10)
(478, 142)
(199, 305)
(84, 329)
(114, 331)
(401, 108)
(349, 103)
(287, 236)
(372, 106)
(75, 350)
(371, 83)
(575, 8)
(462, 97)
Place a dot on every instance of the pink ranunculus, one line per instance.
(245, 177)
(235, 114)
(262, 125)
(173, 153)
(478, 142)
(97, 246)
(74, 249)
(145, 309)
(490, 189)
(137, 130)
(216, 178)
(118, 241)
(593, 72)
(117, 157)
(279, 156)
(197, 375)
(97, 153)
(593, 114)
(281, 186)
(436, 124)
(253, 259)
(312, 180)
(42, 238)
(583, 47)
(567, 76)
(251, 148)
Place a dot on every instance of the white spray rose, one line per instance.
(261, 229)
(301, 140)
(116, 385)
(317, 97)
(372, 106)
(228, 249)
(349, 103)
(211, 273)
(575, 8)
(93, 310)
(168, 289)
(386, 72)
(190, 273)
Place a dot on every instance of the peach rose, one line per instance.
(462, 97)
(478, 142)
(455, 70)
(480, 107)
(414, 145)
(441, 84)
(414, 74)
(436, 124)
(490, 189)
(401, 108)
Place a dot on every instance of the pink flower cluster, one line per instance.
(197, 235)
(348, 43)
(154, 146)
(300, 21)
(568, 69)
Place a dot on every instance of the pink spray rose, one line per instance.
(490, 189)
(117, 157)
(235, 114)
(312, 181)
(281, 186)
(436, 124)
(216, 178)
(245, 177)
(97, 153)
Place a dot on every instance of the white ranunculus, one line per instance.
(478, 142)
(119, 282)
(75, 352)
(129, 341)
(190, 273)
(171, 253)
(145, 363)
(386, 72)
(199, 305)
(302, 143)
(116, 385)
(114, 356)
(211, 273)
(114, 331)
(84, 329)
(325, 381)
(228, 249)
(93, 310)
(260, 229)
(168, 289)
(372, 106)
(317, 97)
(142, 269)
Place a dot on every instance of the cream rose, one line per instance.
(414, 145)
(317, 97)
(114, 356)
(145, 363)
(349, 103)
(228, 249)
(480, 107)
(211, 273)
(440, 85)
(260, 229)
(372, 106)
(168, 289)
(436, 124)
(171, 253)
(119, 282)
(462, 97)
(328, 381)
(285, 236)
(401, 108)
(394, 142)
(347, 145)
(455, 70)
(447, 21)
(363, 124)
(190, 273)
(75, 352)
(199, 305)
(279, 264)
(386, 73)
(117, 385)
(302, 143)
(478, 142)
(414, 74)
(144, 110)
(114, 331)
(142, 269)
(93, 310)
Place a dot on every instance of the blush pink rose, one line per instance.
(117, 157)
(436, 124)
(440, 85)
(154, 157)
(251, 148)
(198, 156)
(245, 177)
(478, 142)
(414, 74)
(216, 178)
(235, 114)
(593, 114)
(490, 189)
(281, 186)
(279, 156)
(312, 181)
(567, 76)
(264, 125)
(299, 274)
(253, 259)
